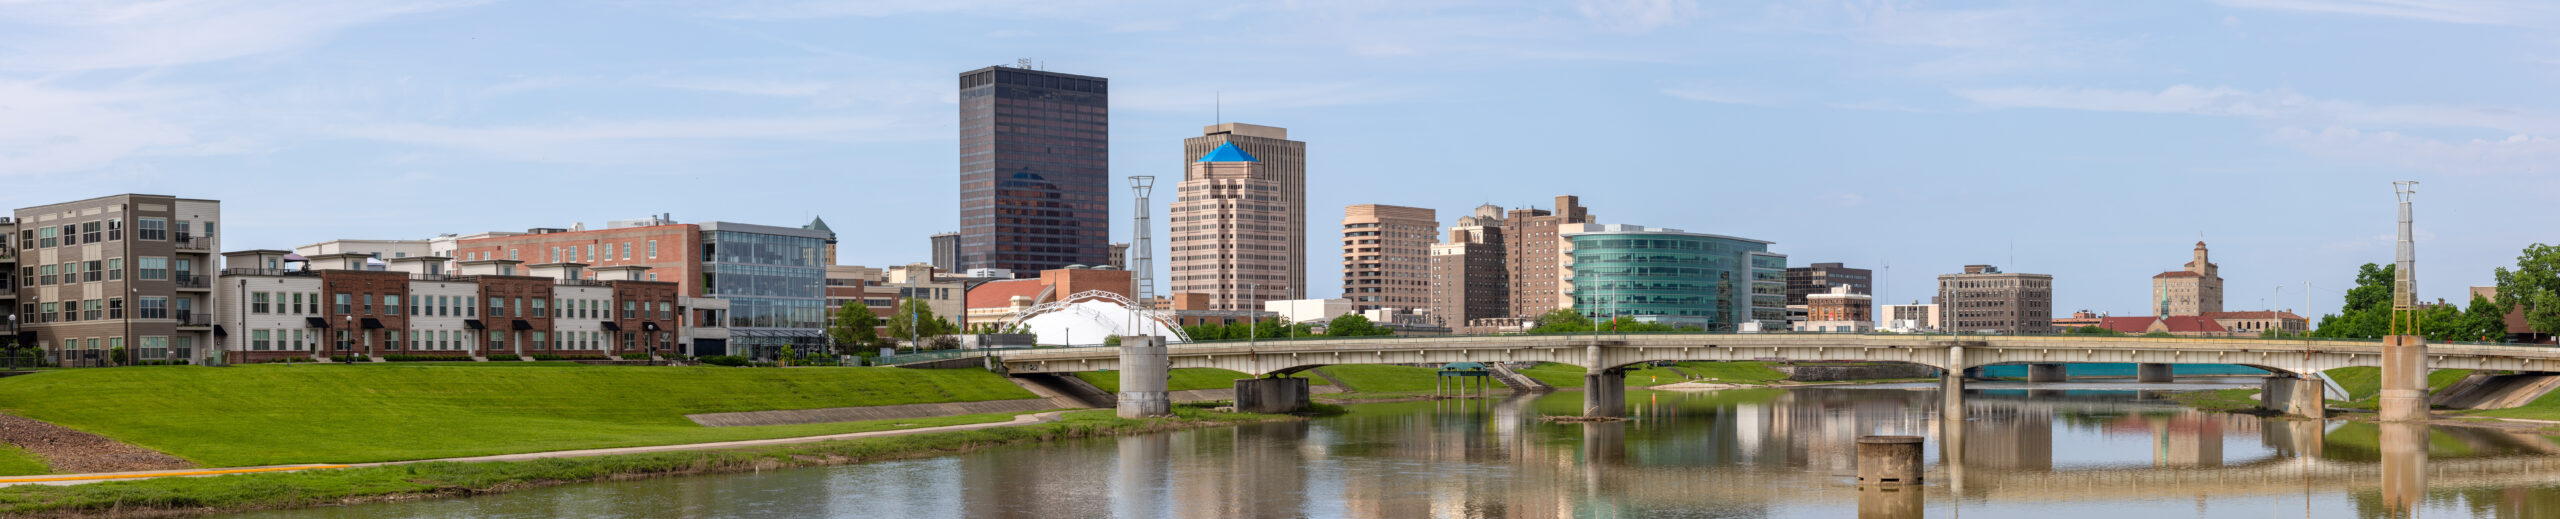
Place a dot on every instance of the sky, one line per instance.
(2092, 140)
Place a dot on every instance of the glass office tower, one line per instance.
(1706, 281)
(775, 281)
(1035, 186)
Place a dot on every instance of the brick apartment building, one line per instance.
(277, 304)
(1534, 254)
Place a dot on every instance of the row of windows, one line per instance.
(151, 307)
(110, 269)
(111, 229)
(292, 303)
(447, 340)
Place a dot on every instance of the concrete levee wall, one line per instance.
(1823, 373)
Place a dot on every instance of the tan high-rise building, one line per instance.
(1985, 300)
(1386, 256)
(1469, 279)
(1283, 161)
(1229, 233)
(2196, 290)
(1535, 253)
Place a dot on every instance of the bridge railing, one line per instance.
(1931, 336)
(927, 356)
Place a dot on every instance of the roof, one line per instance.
(999, 294)
(817, 224)
(2261, 314)
(2177, 274)
(1228, 152)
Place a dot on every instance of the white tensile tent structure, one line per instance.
(1090, 317)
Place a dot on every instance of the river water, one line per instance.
(2075, 450)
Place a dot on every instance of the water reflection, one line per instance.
(2000, 452)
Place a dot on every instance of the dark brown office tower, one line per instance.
(1035, 186)
(1470, 279)
(1816, 279)
(1535, 254)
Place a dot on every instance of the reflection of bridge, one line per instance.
(1607, 355)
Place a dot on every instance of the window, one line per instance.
(627, 309)
(154, 308)
(497, 307)
(392, 343)
(45, 274)
(91, 270)
(258, 340)
(208, 229)
(70, 235)
(48, 237)
(666, 310)
(391, 304)
(368, 304)
(628, 343)
(115, 269)
(511, 254)
(93, 309)
(497, 342)
(653, 249)
(258, 304)
(115, 228)
(591, 250)
(542, 341)
(151, 229)
(154, 268)
(470, 306)
(345, 303)
(538, 310)
(297, 303)
(297, 341)
(46, 315)
(626, 250)
(89, 232)
(653, 276)
(115, 308)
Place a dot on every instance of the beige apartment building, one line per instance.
(1469, 278)
(1535, 253)
(1386, 256)
(127, 271)
(1284, 162)
(2194, 290)
(1983, 299)
(1230, 233)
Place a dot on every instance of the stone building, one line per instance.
(1840, 309)
(1284, 162)
(1229, 233)
(1470, 280)
(1386, 256)
(2195, 290)
(1983, 299)
(1534, 256)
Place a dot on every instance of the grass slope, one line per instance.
(1378, 378)
(2363, 382)
(1184, 379)
(17, 462)
(269, 414)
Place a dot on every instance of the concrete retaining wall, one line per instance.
(1821, 373)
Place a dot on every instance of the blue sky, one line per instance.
(2093, 140)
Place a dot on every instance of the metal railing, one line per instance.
(1932, 336)
(184, 242)
(928, 356)
(185, 280)
(584, 283)
(442, 277)
(194, 319)
(268, 272)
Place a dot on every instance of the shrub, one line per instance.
(635, 356)
(505, 356)
(285, 360)
(426, 358)
(547, 356)
(724, 360)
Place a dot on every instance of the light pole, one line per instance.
(346, 335)
(14, 346)
(1254, 331)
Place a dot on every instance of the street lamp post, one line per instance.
(346, 336)
(1254, 331)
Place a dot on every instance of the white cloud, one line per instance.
(45, 130)
(640, 141)
(2516, 154)
(2481, 12)
(66, 36)
(1264, 96)
(2279, 105)
(1636, 16)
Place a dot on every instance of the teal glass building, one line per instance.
(1713, 282)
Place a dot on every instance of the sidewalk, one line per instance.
(75, 479)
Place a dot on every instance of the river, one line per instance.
(2075, 450)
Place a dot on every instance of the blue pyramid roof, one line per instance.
(1228, 152)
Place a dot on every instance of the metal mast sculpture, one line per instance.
(2404, 281)
(1142, 262)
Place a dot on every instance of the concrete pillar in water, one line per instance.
(2151, 373)
(2404, 378)
(2046, 373)
(1888, 461)
(1143, 377)
(1604, 393)
(1281, 395)
(2292, 395)
(2404, 466)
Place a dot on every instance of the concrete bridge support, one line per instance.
(1144, 375)
(2404, 378)
(2152, 373)
(2046, 373)
(1281, 395)
(1604, 393)
(2292, 396)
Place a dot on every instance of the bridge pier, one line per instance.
(2404, 378)
(2292, 395)
(2150, 372)
(1604, 393)
(2046, 373)
(1144, 375)
(1281, 395)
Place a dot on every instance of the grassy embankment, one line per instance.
(271, 414)
(176, 496)
(16, 462)
(2362, 385)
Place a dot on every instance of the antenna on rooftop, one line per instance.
(1022, 63)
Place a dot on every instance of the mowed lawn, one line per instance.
(17, 462)
(271, 414)
(1184, 379)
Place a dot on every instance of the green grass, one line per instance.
(1379, 378)
(2363, 382)
(268, 414)
(17, 462)
(1559, 375)
(1184, 379)
(324, 487)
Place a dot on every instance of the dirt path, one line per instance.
(69, 450)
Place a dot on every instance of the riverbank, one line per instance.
(430, 480)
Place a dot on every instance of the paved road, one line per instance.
(75, 479)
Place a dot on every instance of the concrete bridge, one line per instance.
(2405, 360)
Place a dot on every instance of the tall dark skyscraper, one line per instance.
(1035, 174)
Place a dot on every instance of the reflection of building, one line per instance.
(1035, 186)
(1469, 280)
(1386, 256)
(1983, 299)
(2195, 290)
(1671, 276)
(1229, 233)
(1284, 162)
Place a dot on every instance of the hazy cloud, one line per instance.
(2483, 12)
(59, 36)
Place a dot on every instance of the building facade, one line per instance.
(1915, 317)
(1469, 278)
(1035, 186)
(1228, 233)
(1386, 256)
(130, 273)
(1712, 282)
(2194, 290)
(946, 252)
(665, 250)
(1839, 310)
(377, 249)
(1535, 256)
(1819, 277)
(329, 306)
(1983, 299)
(1284, 162)
(775, 281)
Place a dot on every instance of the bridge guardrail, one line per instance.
(1604, 335)
(927, 356)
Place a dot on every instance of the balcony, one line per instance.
(269, 272)
(186, 281)
(193, 319)
(192, 243)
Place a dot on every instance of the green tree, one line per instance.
(2483, 320)
(2536, 276)
(914, 320)
(2093, 330)
(2367, 314)
(1354, 325)
(1562, 320)
(854, 328)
